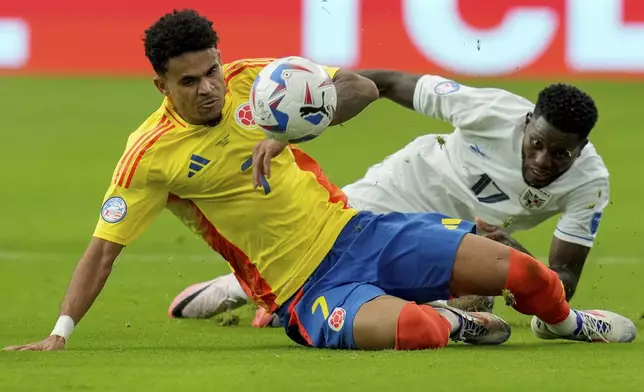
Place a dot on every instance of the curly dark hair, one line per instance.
(567, 108)
(177, 33)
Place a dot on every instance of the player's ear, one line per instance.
(162, 86)
(219, 60)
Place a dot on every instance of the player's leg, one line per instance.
(485, 267)
(208, 299)
(476, 303)
(428, 257)
(392, 323)
(361, 316)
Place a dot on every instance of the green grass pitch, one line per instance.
(60, 141)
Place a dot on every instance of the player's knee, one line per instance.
(530, 272)
(421, 327)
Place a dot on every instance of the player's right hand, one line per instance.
(51, 343)
(487, 230)
(263, 152)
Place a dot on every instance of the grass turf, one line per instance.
(61, 140)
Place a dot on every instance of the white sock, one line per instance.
(453, 318)
(566, 327)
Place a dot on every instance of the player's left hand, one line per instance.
(263, 152)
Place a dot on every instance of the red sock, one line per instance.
(537, 290)
(421, 327)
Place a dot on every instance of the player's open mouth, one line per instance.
(540, 174)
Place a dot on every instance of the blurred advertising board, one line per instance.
(523, 38)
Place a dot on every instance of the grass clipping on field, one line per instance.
(508, 297)
(227, 319)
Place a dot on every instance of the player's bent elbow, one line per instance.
(368, 87)
(354, 84)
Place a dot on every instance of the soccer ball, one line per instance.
(293, 99)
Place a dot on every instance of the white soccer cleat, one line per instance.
(205, 300)
(592, 326)
(479, 328)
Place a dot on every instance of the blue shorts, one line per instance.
(409, 256)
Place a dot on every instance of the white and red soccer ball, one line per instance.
(293, 99)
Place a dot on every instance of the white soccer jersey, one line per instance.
(476, 171)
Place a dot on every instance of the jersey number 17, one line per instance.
(485, 183)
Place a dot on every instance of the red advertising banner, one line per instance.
(527, 38)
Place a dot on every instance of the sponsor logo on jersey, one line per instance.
(114, 209)
(336, 319)
(244, 116)
(447, 87)
(477, 150)
(535, 199)
(196, 164)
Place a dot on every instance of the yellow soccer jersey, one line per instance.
(273, 237)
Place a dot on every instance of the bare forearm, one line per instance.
(86, 284)
(354, 94)
(569, 278)
(568, 260)
(396, 86)
(89, 279)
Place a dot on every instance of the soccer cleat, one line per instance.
(592, 326)
(479, 328)
(473, 303)
(263, 319)
(203, 300)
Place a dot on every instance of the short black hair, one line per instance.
(177, 33)
(567, 108)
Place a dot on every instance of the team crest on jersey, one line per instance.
(535, 199)
(447, 87)
(244, 116)
(114, 209)
(336, 319)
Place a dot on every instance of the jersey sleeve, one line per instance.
(129, 207)
(583, 211)
(465, 107)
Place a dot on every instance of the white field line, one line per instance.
(161, 257)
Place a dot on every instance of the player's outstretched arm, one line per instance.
(354, 94)
(88, 280)
(466, 107)
(576, 231)
(396, 86)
